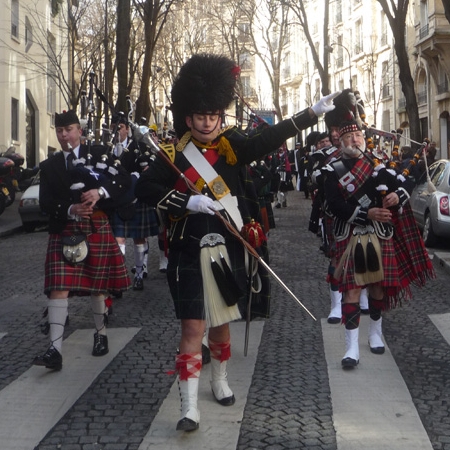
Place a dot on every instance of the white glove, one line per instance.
(136, 175)
(325, 104)
(202, 203)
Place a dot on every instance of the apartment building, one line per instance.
(33, 55)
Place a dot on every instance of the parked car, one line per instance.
(431, 207)
(29, 208)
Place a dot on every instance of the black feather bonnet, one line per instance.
(205, 83)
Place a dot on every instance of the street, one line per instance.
(291, 392)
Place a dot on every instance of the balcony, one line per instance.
(422, 97)
(423, 32)
(442, 88)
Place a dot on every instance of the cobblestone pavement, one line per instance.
(288, 406)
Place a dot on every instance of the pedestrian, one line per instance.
(133, 219)
(378, 244)
(211, 156)
(76, 190)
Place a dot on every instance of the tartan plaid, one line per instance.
(143, 224)
(103, 270)
(404, 257)
(362, 171)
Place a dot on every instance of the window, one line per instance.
(14, 119)
(51, 76)
(244, 32)
(246, 87)
(15, 18)
(358, 48)
(28, 34)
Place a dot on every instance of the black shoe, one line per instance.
(349, 363)
(284, 204)
(278, 205)
(100, 345)
(377, 350)
(186, 424)
(365, 311)
(334, 320)
(138, 284)
(52, 359)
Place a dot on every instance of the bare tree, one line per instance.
(396, 14)
(298, 8)
(154, 14)
(122, 51)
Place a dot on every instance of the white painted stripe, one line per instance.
(31, 405)
(219, 425)
(372, 407)
(442, 323)
(2, 335)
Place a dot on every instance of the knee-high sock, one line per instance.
(99, 309)
(139, 250)
(57, 315)
(351, 314)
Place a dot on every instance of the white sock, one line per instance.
(139, 250)
(99, 310)
(57, 315)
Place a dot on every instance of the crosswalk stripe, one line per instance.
(31, 405)
(442, 323)
(219, 425)
(372, 407)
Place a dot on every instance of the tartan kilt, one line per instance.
(391, 281)
(404, 257)
(103, 270)
(143, 224)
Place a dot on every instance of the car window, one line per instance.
(36, 179)
(438, 174)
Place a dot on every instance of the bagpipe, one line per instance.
(98, 168)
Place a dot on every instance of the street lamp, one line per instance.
(329, 48)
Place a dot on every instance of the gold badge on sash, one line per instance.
(218, 187)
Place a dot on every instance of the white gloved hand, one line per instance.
(325, 104)
(201, 203)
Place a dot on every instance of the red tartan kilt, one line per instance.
(389, 261)
(103, 270)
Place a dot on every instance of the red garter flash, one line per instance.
(188, 365)
(220, 350)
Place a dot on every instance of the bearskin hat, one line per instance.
(345, 109)
(205, 83)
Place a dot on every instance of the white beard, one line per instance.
(354, 152)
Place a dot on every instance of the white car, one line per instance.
(29, 208)
(431, 206)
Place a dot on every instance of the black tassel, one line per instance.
(373, 263)
(231, 280)
(222, 283)
(359, 258)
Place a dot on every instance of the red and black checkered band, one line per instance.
(348, 127)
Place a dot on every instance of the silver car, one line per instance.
(430, 203)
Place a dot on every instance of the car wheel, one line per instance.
(428, 234)
(29, 227)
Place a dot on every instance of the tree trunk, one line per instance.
(122, 50)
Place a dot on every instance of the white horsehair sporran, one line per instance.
(213, 252)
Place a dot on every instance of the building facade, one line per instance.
(33, 56)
